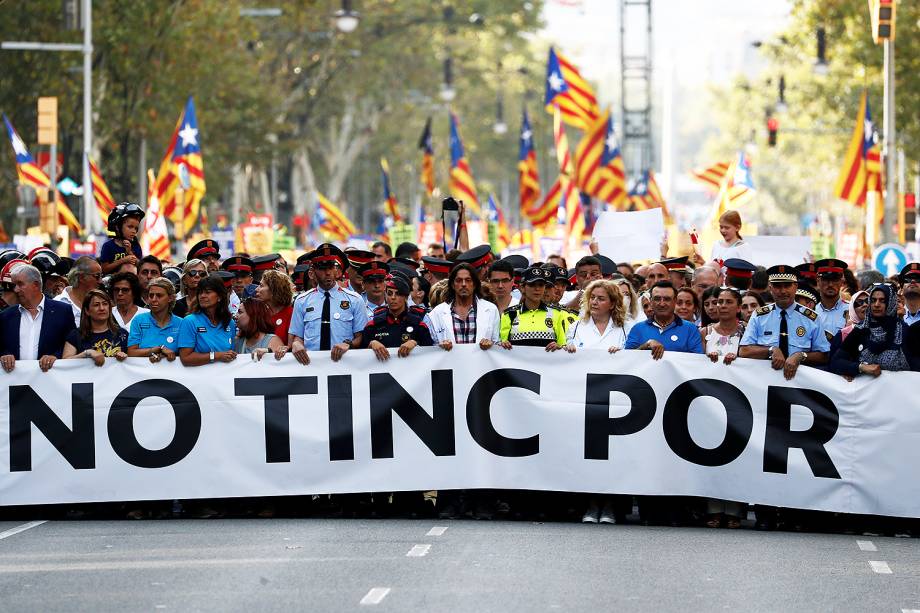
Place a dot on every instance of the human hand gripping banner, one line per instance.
(468, 418)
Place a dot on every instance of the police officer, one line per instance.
(533, 323)
(327, 317)
(739, 273)
(786, 333)
(910, 288)
(806, 295)
(396, 324)
(241, 267)
(373, 278)
(832, 311)
(208, 251)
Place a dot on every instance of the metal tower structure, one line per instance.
(636, 84)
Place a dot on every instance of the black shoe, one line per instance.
(449, 511)
(483, 511)
(764, 525)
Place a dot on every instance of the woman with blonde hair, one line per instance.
(731, 245)
(192, 273)
(631, 301)
(602, 322)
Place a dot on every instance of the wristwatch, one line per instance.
(804, 357)
(212, 357)
(770, 353)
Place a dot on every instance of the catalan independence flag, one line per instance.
(462, 185)
(155, 238)
(330, 220)
(501, 226)
(566, 89)
(599, 165)
(563, 195)
(389, 198)
(182, 165)
(861, 171)
(737, 186)
(101, 194)
(427, 146)
(528, 177)
(31, 174)
(712, 176)
(647, 195)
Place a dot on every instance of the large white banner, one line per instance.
(588, 422)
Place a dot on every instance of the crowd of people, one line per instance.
(212, 308)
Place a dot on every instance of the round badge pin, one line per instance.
(278, 321)
(336, 316)
(169, 339)
(674, 337)
(409, 328)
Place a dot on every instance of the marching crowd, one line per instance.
(212, 308)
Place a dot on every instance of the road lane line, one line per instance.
(375, 595)
(881, 568)
(418, 551)
(910, 610)
(22, 528)
(867, 546)
(437, 531)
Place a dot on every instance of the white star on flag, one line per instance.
(189, 136)
(611, 141)
(18, 146)
(525, 136)
(555, 82)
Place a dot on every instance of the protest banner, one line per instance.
(518, 419)
(630, 236)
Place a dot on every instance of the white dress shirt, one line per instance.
(29, 331)
(65, 297)
(585, 335)
(126, 325)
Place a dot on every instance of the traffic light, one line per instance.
(772, 128)
(882, 16)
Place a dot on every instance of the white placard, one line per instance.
(771, 250)
(630, 236)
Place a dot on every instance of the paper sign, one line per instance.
(770, 250)
(630, 236)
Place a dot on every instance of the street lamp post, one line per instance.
(346, 18)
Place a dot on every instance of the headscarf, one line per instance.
(845, 331)
(884, 335)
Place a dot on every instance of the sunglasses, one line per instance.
(121, 290)
(200, 274)
(860, 303)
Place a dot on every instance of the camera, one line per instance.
(449, 204)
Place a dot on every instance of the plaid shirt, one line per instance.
(464, 328)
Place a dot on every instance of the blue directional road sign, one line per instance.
(889, 259)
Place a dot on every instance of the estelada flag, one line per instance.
(599, 167)
(861, 171)
(462, 186)
(180, 182)
(528, 177)
(566, 89)
(427, 147)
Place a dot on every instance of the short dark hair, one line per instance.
(501, 266)
(132, 280)
(664, 284)
(588, 260)
(477, 284)
(760, 280)
(386, 247)
(406, 250)
(151, 259)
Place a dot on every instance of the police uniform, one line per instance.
(834, 318)
(207, 248)
(393, 331)
(346, 309)
(241, 266)
(373, 271)
(802, 332)
(739, 273)
(910, 272)
(534, 327)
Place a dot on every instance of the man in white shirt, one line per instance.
(88, 274)
(464, 317)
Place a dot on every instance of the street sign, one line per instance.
(889, 259)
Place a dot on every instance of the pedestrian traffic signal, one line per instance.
(772, 127)
(907, 218)
(882, 16)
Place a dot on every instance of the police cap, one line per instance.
(374, 270)
(265, 262)
(477, 257)
(807, 271)
(239, 265)
(830, 268)
(736, 267)
(437, 265)
(538, 275)
(207, 248)
(398, 283)
(807, 291)
(782, 273)
(326, 256)
(911, 272)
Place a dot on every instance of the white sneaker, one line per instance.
(591, 515)
(607, 515)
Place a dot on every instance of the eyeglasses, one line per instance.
(860, 303)
(200, 274)
(121, 290)
(97, 275)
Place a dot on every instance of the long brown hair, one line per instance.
(86, 323)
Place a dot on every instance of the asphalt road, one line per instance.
(436, 565)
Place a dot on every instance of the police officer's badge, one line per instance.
(800, 331)
(405, 337)
(344, 305)
(549, 322)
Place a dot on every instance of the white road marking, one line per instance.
(881, 568)
(22, 528)
(910, 610)
(418, 551)
(867, 546)
(437, 531)
(375, 595)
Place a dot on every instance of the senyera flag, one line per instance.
(330, 220)
(180, 182)
(101, 194)
(427, 147)
(156, 237)
(389, 198)
(462, 185)
(31, 174)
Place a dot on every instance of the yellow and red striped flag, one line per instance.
(389, 198)
(566, 89)
(155, 239)
(426, 145)
(861, 171)
(182, 167)
(528, 177)
(330, 220)
(462, 185)
(101, 194)
(712, 176)
(599, 165)
(31, 174)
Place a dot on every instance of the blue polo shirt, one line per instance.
(679, 335)
(197, 331)
(145, 332)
